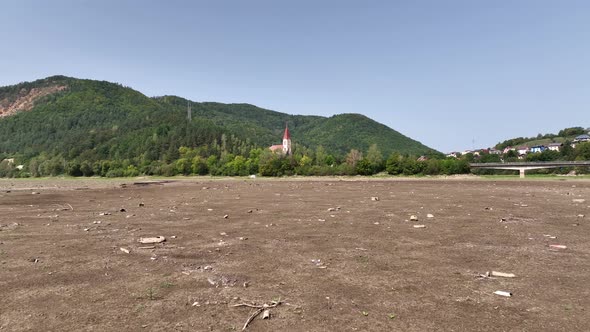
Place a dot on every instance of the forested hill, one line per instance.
(89, 120)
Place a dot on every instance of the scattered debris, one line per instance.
(122, 210)
(429, 216)
(488, 208)
(581, 216)
(124, 250)
(147, 247)
(375, 198)
(242, 238)
(141, 204)
(249, 211)
(223, 234)
(419, 226)
(150, 240)
(578, 200)
(413, 218)
(503, 293)
(502, 274)
(104, 214)
(557, 246)
(35, 193)
(264, 308)
(226, 216)
(550, 236)
(318, 263)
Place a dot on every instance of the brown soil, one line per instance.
(62, 270)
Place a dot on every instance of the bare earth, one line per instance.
(363, 267)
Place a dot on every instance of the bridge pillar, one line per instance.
(521, 170)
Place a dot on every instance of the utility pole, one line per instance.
(189, 111)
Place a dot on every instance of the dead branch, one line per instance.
(259, 309)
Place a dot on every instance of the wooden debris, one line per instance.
(375, 198)
(503, 293)
(557, 246)
(413, 218)
(429, 216)
(502, 274)
(150, 240)
(264, 309)
(124, 250)
(226, 216)
(419, 226)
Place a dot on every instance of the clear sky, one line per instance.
(451, 74)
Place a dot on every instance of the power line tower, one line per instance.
(189, 113)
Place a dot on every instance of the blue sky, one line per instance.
(451, 74)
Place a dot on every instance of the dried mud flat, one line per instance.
(337, 259)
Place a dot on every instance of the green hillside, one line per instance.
(61, 120)
(563, 136)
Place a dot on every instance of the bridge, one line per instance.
(525, 166)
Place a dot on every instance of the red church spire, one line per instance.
(287, 134)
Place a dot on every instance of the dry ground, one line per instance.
(62, 269)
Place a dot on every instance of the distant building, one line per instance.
(284, 148)
(582, 138)
(554, 146)
(453, 155)
(494, 151)
(507, 149)
(538, 148)
(522, 150)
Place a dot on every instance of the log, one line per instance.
(502, 274)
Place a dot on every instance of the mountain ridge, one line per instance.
(82, 119)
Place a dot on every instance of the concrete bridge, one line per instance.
(525, 166)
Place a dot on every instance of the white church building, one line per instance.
(284, 148)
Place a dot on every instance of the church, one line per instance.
(285, 148)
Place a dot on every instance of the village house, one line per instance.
(522, 150)
(284, 148)
(538, 148)
(494, 151)
(555, 146)
(582, 138)
(507, 149)
(453, 155)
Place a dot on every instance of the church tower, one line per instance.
(287, 141)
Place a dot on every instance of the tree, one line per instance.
(375, 158)
(353, 157)
(393, 164)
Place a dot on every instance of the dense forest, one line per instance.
(98, 128)
(101, 128)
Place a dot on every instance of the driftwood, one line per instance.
(502, 274)
(264, 309)
(150, 240)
